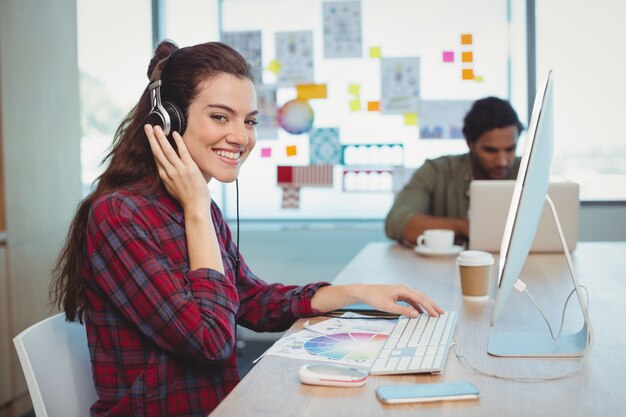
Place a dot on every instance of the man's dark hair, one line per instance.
(487, 114)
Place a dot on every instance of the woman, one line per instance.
(149, 263)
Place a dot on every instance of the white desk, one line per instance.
(272, 387)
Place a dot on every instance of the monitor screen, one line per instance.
(529, 195)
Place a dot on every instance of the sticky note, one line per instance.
(410, 119)
(355, 105)
(291, 150)
(374, 51)
(274, 66)
(309, 91)
(373, 106)
(266, 152)
(468, 74)
(479, 78)
(354, 89)
(448, 56)
(466, 39)
(467, 57)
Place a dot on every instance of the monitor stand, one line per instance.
(521, 344)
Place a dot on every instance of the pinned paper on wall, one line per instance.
(248, 44)
(369, 181)
(467, 56)
(400, 85)
(410, 119)
(375, 52)
(442, 119)
(305, 176)
(324, 147)
(267, 127)
(467, 74)
(291, 150)
(266, 152)
(295, 116)
(448, 56)
(291, 198)
(294, 50)
(311, 91)
(342, 29)
(373, 154)
(274, 66)
(466, 39)
(373, 106)
(355, 105)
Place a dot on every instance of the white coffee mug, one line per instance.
(436, 239)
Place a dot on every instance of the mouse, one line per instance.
(332, 374)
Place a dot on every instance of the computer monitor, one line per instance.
(529, 196)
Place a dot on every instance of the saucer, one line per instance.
(426, 251)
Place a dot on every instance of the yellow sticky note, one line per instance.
(374, 51)
(468, 74)
(479, 78)
(373, 106)
(309, 91)
(467, 57)
(274, 66)
(410, 119)
(466, 39)
(354, 89)
(355, 105)
(291, 150)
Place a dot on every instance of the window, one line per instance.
(114, 49)
(589, 90)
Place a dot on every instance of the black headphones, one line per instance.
(165, 114)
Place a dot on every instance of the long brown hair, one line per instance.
(130, 159)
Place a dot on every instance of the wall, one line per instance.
(41, 154)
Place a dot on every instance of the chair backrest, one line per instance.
(56, 363)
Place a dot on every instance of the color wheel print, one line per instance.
(358, 347)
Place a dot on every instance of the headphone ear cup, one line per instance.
(177, 119)
(155, 118)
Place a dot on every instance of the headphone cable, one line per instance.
(237, 260)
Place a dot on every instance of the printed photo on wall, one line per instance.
(268, 124)
(294, 52)
(342, 29)
(399, 85)
(248, 44)
(442, 119)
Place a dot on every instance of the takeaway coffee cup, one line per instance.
(439, 240)
(475, 269)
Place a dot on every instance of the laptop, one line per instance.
(489, 208)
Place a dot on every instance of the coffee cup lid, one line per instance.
(474, 258)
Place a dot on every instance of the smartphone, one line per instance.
(415, 393)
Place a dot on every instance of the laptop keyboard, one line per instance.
(416, 345)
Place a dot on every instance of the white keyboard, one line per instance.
(417, 345)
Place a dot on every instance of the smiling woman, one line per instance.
(149, 263)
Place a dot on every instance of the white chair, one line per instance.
(56, 364)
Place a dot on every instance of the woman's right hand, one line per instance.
(180, 174)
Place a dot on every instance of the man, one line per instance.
(437, 196)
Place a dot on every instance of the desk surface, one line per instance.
(599, 389)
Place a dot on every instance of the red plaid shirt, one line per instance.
(162, 337)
